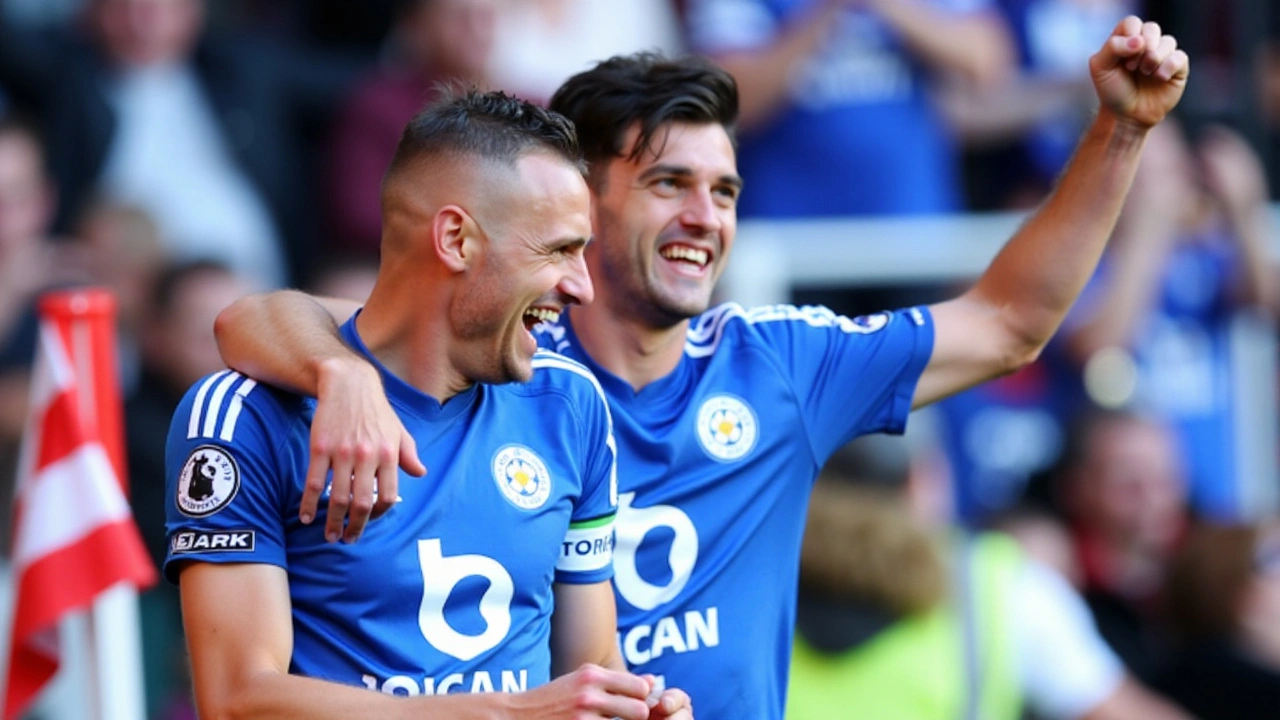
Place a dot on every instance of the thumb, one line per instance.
(409, 455)
(1125, 42)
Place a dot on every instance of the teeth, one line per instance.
(543, 314)
(681, 252)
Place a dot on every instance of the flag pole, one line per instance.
(113, 631)
(76, 548)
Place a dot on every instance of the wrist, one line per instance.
(330, 370)
(1121, 131)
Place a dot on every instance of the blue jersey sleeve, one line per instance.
(587, 552)
(224, 491)
(852, 376)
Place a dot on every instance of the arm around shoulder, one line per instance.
(284, 337)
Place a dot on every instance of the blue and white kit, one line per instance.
(450, 591)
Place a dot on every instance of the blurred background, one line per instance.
(186, 152)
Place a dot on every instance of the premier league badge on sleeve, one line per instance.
(208, 482)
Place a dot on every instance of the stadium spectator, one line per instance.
(147, 109)
(1152, 330)
(1019, 135)
(1224, 600)
(344, 276)
(433, 42)
(540, 43)
(29, 262)
(123, 251)
(726, 414)
(901, 616)
(837, 117)
(1124, 492)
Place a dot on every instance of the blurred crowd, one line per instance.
(184, 153)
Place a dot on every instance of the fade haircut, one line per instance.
(489, 125)
(645, 88)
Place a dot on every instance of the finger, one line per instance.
(409, 459)
(1157, 52)
(1174, 68)
(1118, 49)
(317, 474)
(1128, 25)
(388, 485)
(620, 707)
(363, 482)
(672, 701)
(1151, 34)
(339, 497)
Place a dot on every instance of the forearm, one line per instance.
(584, 628)
(982, 116)
(277, 696)
(1257, 280)
(1037, 276)
(764, 75)
(286, 338)
(976, 45)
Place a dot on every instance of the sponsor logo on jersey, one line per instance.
(727, 427)
(211, 541)
(522, 477)
(208, 482)
(634, 525)
(440, 575)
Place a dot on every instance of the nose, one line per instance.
(576, 284)
(700, 212)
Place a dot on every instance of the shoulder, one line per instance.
(557, 376)
(219, 404)
(551, 370)
(767, 324)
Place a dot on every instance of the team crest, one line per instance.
(208, 482)
(726, 427)
(522, 477)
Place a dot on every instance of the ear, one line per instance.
(454, 234)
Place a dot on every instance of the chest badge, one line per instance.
(522, 477)
(727, 427)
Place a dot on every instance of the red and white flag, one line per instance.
(74, 533)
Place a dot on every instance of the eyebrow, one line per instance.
(682, 171)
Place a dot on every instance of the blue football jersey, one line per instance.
(716, 462)
(451, 590)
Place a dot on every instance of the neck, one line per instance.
(631, 350)
(413, 345)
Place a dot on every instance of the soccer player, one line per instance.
(495, 575)
(724, 416)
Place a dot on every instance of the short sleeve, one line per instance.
(223, 489)
(587, 552)
(727, 25)
(852, 376)
(1066, 668)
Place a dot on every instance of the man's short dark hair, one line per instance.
(645, 88)
(490, 125)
